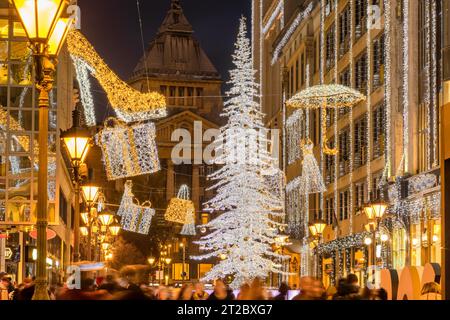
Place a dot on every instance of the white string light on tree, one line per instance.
(128, 151)
(246, 230)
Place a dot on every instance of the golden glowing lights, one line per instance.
(39, 17)
(56, 40)
(330, 96)
(181, 209)
(90, 193)
(122, 97)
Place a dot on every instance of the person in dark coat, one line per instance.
(283, 292)
(221, 292)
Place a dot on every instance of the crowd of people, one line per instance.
(128, 286)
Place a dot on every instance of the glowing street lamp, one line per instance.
(114, 229)
(76, 140)
(317, 227)
(84, 231)
(106, 218)
(46, 32)
(90, 193)
(151, 260)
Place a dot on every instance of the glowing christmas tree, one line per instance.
(251, 214)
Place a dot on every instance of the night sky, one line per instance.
(112, 26)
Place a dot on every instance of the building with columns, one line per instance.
(176, 65)
(388, 146)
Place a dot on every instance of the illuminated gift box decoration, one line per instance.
(181, 209)
(128, 151)
(136, 217)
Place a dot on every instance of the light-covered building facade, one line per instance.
(387, 145)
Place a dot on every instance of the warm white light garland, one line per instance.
(369, 97)
(336, 112)
(294, 126)
(83, 70)
(434, 90)
(352, 124)
(322, 112)
(427, 95)
(287, 35)
(405, 97)
(279, 10)
(387, 85)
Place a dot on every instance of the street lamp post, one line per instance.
(76, 140)
(183, 274)
(46, 31)
(316, 230)
(90, 194)
(375, 211)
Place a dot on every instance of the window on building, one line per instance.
(361, 73)
(360, 18)
(378, 62)
(172, 95)
(190, 96)
(330, 164)
(297, 75)
(330, 43)
(360, 142)
(302, 66)
(203, 269)
(345, 78)
(399, 243)
(376, 184)
(329, 7)
(422, 137)
(163, 90)
(177, 271)
(360, 198)
(291, 82)
(344, 205)
(344, 31)
(344, 152)
(62, 206)
(379, 136)
(181, 96)
(329, 211)
(199, 97)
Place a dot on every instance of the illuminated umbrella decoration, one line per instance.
(332, 96)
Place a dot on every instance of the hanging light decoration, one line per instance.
(136, 218)
(181, 209)
(128, 151)
(129, 104)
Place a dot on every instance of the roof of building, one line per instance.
(175, 53)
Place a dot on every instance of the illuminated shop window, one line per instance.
(416, 247)
(399, 242)
(177, 270)
(203, 269)
(436, 242)
(4, 28)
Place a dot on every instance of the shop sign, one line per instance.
(8, 253)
